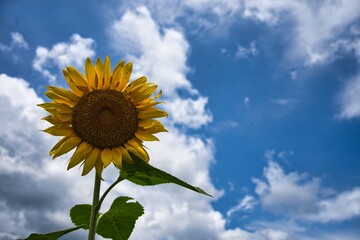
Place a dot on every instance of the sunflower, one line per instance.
(103, 116)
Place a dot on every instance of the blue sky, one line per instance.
(264, 105)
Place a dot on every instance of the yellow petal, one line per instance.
(59, 99)
(68, 145)
(71, 84)
(145, 136)
(152, 113)
(107, 72)
(77, 77)
(119, 86)
(82, 152)
(157, 95)
(139, 96)
(90, 73)
(147, 103)
(116, 75)
(156, 129)
(140, 80)
(51, 119)
(138, 87)
(150, 123)
(146, 123)
(99, 69)
(59, 131)
(90, 162)
(117, 157)
(137, 149)
(106, 157)
(63, 116)
(53, 106)
(63, 108)
(58, 144)
(76, 90)
(56, 107)
(64, 93)
(125, 76)
(125, 155)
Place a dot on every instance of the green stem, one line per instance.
(95, 208)
(107, 191)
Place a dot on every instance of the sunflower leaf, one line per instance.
(52, 235)
(119, 222)
(144, 174)
(80, 215)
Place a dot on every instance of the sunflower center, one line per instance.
(105, 118)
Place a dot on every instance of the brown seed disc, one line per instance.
(105, 118)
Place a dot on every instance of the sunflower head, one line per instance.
(103, 116)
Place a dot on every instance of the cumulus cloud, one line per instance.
(74, 52)
(301, 197)
(189, 112)
(287, 193)
(161, 54)
(345, 205)
(28, 201)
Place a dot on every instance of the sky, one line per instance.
(264, 114)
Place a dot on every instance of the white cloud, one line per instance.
(17, 127)
(74, 52)
(28, 175)
(259, 234)
(161, 55)
(350, 99)
(301, 197)
(163, 51)
(266, 11)
(190, 112)
(247, 203)
(243, 52)
(17, 41)
(317, 24)
(205, 15)
(283, 193)
(345, 205)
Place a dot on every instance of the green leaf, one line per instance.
(52, 235)
(80, 215)
(118, 223)
(144, 174)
